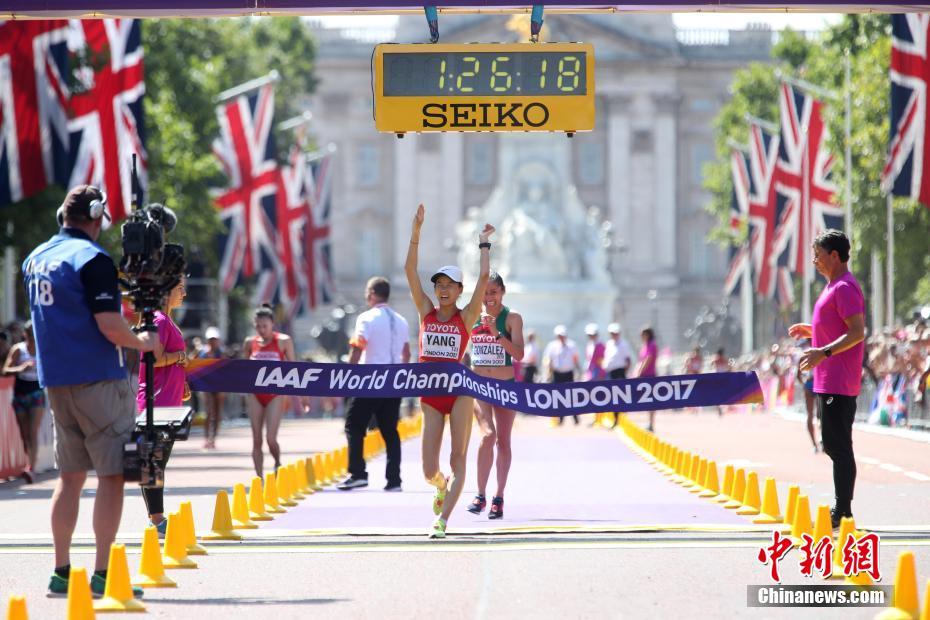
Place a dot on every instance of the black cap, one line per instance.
(77, 203)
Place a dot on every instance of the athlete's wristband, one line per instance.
(484, 245)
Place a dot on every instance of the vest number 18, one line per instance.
(44, 295)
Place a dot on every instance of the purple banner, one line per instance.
(451, 379)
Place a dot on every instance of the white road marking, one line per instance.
(890, 467)
(913, 475)
(917, 476)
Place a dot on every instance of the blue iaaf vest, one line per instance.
(70, 347)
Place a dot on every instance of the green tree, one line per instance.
(867, 39)
(188, 62)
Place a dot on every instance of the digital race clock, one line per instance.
(484, 87)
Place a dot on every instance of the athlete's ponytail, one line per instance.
(495, 278)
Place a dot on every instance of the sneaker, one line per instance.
(352, 483)
(29, 477)
(836, 516)
(57, 586)
(393, 487)
(98, 585)
(161, 528)
(497, 508)
(439, 498)
(439, 529)
(477, 505)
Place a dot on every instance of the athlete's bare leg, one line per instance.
(485, 417)
(274, 412)
(809, 404)
(433, 423)
(504, 419)
(460, 421)
(257, 420)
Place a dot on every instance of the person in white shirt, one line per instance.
(560, 359)
(617, 358)
(617, 353)
(530, 358)
(381, 336)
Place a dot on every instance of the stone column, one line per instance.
(666, 182)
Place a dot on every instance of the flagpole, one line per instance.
(848, 130)
(745, 294)
(805, 85)
(769, 126)
(249, 86)
(889, 261)
(296, 121)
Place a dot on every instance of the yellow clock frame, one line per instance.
(484, 112)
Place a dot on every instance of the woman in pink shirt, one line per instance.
(169, 386)
(648, 356)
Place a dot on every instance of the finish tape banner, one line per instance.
(452, 379)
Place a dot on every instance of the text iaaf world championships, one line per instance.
(409, 379)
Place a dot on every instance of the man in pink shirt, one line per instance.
(836, 352)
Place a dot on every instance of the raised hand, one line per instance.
(419, 217)
(485, 234)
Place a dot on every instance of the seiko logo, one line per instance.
(484, 115)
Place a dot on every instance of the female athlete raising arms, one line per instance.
(448, 320)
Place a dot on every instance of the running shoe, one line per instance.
(439, 498)
(477, 505)
(57, 586)
(352, 483)
(439, 529)
(497, 508)
(98, 585)
(837, 515)
(161, 528)
(393, 487)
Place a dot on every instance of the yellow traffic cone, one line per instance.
(175, 552)
(283, 488)
(312, 474)
(861, 579)
(822, 524)
(905, 606)
(343, 460)
(802, 519)
(711, 485)
(16, 609)
(739, 489)
(80, 603)
(925, 613)
(692, 465)
(847, 529)
(728, 475)
(770, 512)
(793, 492)
(257, 502)
(117, 594)
(321, 465)
(701, 474)
(303, 482)
(190, 532)
(751, 500)
(222, 520)
(151, 569)
(293, 482)
(271, 495)
(240, 509)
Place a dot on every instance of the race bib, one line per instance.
(440, 345)
(267, 356)
(487, 351)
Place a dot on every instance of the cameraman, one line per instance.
(74, 296)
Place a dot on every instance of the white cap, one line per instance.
(450, 271)
(212, 332)
(613, 328)
(591, 329)
(560, 330)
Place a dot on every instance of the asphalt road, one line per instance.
(590, 531)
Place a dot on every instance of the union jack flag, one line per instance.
(105, 109)
(905, 172)
(32, 106)
(804, 178)
(740, 258)
(317, 249)
(293, 215)
(245, 149)
(763, 207)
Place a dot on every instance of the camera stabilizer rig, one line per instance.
(149, 270)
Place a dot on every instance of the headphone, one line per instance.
(97, 208)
